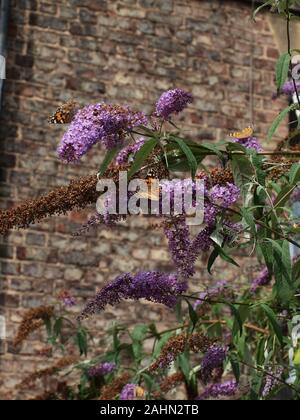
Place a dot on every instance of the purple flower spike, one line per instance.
(177, 233)
(99, 123)
(150, 285)
(172, 102)
(128, 392)
(213, 359)
(101, 369)
(227, 389)
(132, 149)
(272, 381)
(263, 279)
(224, 195)
(249, 143)
(289, 88)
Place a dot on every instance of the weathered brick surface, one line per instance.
(126, 51)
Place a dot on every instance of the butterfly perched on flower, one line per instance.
(244, 134)
(153, 190)
(64, 113)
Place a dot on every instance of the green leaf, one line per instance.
(284, 195)
(192, 161)
(260, 353)
(273, 321)
(184, 364)
(238, 324)
(279, 119)
(193, 314)
(109, 157)
(235, 366)
(81, 341)
(142, 155)
(282, 69)
(223, 254)
(296, 270)
(57, 327)
(212, 258)
(249, 219)
(294, 175)
(163, 340)
(139, 332)
(214, 148)
(243, 171)
(267, 252)
(116, 340)
(284, 287)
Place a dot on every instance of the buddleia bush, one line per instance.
(230, 340)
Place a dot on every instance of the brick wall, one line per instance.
(126, 51)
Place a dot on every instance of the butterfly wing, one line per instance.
(244, 134)
(64, 114)
(153, 194)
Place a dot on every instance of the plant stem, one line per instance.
(210, 322)
(248, 326)
(215, 301)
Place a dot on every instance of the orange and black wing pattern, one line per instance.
(65, 113)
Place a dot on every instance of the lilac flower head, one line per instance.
(224, 195)
(213, 359)
(150, 285)
(172, 102)
(104, 123)
(263, 279)
(210, 213)
(249, 143)
(177, 233)
(289, 88)
(129, 392)
(128, 152)
(183, 196)
(201, 243)
(272, 381)
(101, 369)
(227, 389)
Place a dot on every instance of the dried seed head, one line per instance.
(176, 345)
(43, 373)
(32, 321)
(110, 391)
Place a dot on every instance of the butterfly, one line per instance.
(244, 134)
(153, 191)
(65, 113)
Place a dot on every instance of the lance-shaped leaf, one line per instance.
(279, 119)
(273, 321)
(109, 157)
(142, 155)
(192, 161)
(282, 69)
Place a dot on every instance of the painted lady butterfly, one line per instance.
(244, 134)
(65, 113)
